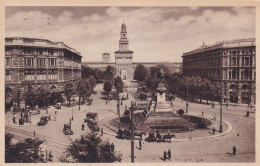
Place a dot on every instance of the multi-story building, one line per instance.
(124, 60)
(232, 63)
(40, 61)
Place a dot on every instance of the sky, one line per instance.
(154, 33)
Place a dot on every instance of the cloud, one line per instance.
(160, 33)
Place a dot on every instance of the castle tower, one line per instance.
(105, 57)
(124, 57)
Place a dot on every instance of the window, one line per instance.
(234, 74)
(8, 75)
(29, 75)
(246, 61)
(53, 74)
(41, 75)
(28, 61)
(52, 61)
(8, 61)
(41, 62)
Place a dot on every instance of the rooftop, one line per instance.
(223, 44)
(35, 42)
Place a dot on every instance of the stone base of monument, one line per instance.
(163, 107)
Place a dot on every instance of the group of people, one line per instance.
(169, 155)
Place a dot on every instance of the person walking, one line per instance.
(214, 130)
(112, 146)
(202, 113)
(101, 131)
(164, 155)
(234, 150)
(50, 156)
(247, 114)
(169, 154)
(140, 145)
(82, 126)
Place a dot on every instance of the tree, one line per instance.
(26, 151)
(109, 72)
(83, 88)
(68, 91)
(92, 82)
(119, 85)
(90, 149)
(43, 96)
(108, 86)
(17, 95)
(140, 72)
(87, 72)
(30, 95)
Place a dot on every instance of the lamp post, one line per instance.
(220, 119)
(187, 104)
(72, 114)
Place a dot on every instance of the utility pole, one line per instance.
(220, 119)
(132, 135)
(187, 104)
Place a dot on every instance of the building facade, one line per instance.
(232, 63)
(124, 60)
(124, 57)
(40, 61)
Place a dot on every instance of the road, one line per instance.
(208, 150)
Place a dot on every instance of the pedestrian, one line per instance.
(164, 155)
(50, 156)
(112, 147)
(54, 117)
(82, 126)
(15, 118)
(70, 120)
(202, 113)
(55, 112)
(234, 150)
(171, 103)
(247, 114)
(169, 154)
(140, 145)
(214, 130)
(101, 131)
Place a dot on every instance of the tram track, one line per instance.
(54, 145)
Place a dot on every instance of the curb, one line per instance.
(182, 140)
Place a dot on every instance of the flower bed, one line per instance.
(199, 121)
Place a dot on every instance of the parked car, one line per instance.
(43, 121)
(67, 129)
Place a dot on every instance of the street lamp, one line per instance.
(220, 119)
(72, 115)
(187, 104)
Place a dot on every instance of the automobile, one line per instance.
(93, 125)
(91, 115)
(43, 121)
(94, 92)
(67, 129)
(58, 106)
